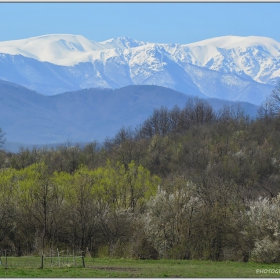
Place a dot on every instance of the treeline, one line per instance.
(188, 183)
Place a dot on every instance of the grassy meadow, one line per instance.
(99, 268)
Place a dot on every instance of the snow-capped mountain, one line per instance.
(230, 67)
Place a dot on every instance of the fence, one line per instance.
(53, 258)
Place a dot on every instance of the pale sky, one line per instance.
(151, 22)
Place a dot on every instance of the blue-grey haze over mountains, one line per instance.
(230, 67)
(115, 82)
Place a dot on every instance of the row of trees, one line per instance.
(42, 209)
(188, 183)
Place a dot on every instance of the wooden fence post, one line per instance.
(83, 259)
(42, 261)
(58, 257)
(6, 259)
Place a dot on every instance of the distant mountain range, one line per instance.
(231, 67)
(58, 88)
(30, 118)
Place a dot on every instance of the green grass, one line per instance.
(147, 268)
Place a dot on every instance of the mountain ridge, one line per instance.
(86, 115)
(56, 63)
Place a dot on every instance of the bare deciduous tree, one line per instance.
(271, 106)
(2, 138)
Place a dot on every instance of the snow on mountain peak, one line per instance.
(231, 41)
(55, 48)
(122, 43)
(251, 57)
(64, 49)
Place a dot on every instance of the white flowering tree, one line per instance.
(263, 227)
(168, 224)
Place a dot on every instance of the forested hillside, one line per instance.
(188, 183)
